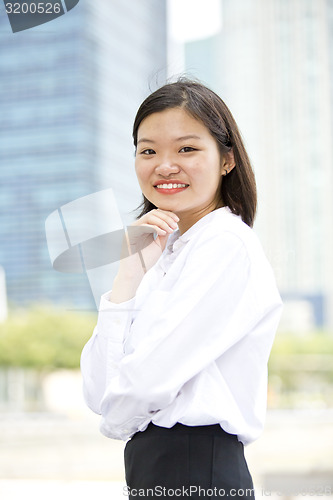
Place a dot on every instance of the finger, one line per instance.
(161, 218)
(152, 219)
(137, 231)
(164, 222)
(167, 212)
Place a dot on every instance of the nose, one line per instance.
(167, 167)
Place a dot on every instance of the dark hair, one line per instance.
(238, 189)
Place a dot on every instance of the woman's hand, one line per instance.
(141, 234)
(141, 250)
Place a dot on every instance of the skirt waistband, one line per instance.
(181, 429)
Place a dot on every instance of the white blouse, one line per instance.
(192, 346)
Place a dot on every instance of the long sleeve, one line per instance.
(186, 324)
(104, 350)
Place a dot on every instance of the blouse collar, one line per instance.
(176, 240)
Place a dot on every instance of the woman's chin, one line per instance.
(172, 207)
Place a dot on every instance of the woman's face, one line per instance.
(175, 149)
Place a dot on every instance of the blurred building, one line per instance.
(272, 62)
(69, 90)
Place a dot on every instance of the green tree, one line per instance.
(44, 338)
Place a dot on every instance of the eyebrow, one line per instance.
(183, 138)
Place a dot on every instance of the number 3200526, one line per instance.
(33, 8)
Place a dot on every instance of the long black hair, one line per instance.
(238, 189)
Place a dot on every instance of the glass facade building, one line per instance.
(272, 62)
(69, 90)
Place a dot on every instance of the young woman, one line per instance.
(177, 364)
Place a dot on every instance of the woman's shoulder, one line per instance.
(226, 235)
(223, 231)
(222, 223)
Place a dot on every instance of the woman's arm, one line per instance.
(104, 350)
(211, 307)
(141, 251)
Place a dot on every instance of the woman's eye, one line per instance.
(148, 152)
(187, 149)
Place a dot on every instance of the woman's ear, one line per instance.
(228, 163)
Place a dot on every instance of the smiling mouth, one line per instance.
(170, 186)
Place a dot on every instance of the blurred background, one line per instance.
(69, 91)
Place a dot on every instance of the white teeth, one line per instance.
(170, 186)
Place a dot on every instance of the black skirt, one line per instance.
(186, 462)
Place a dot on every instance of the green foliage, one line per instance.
(301, 370)
(44, 338)
(317, 342)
